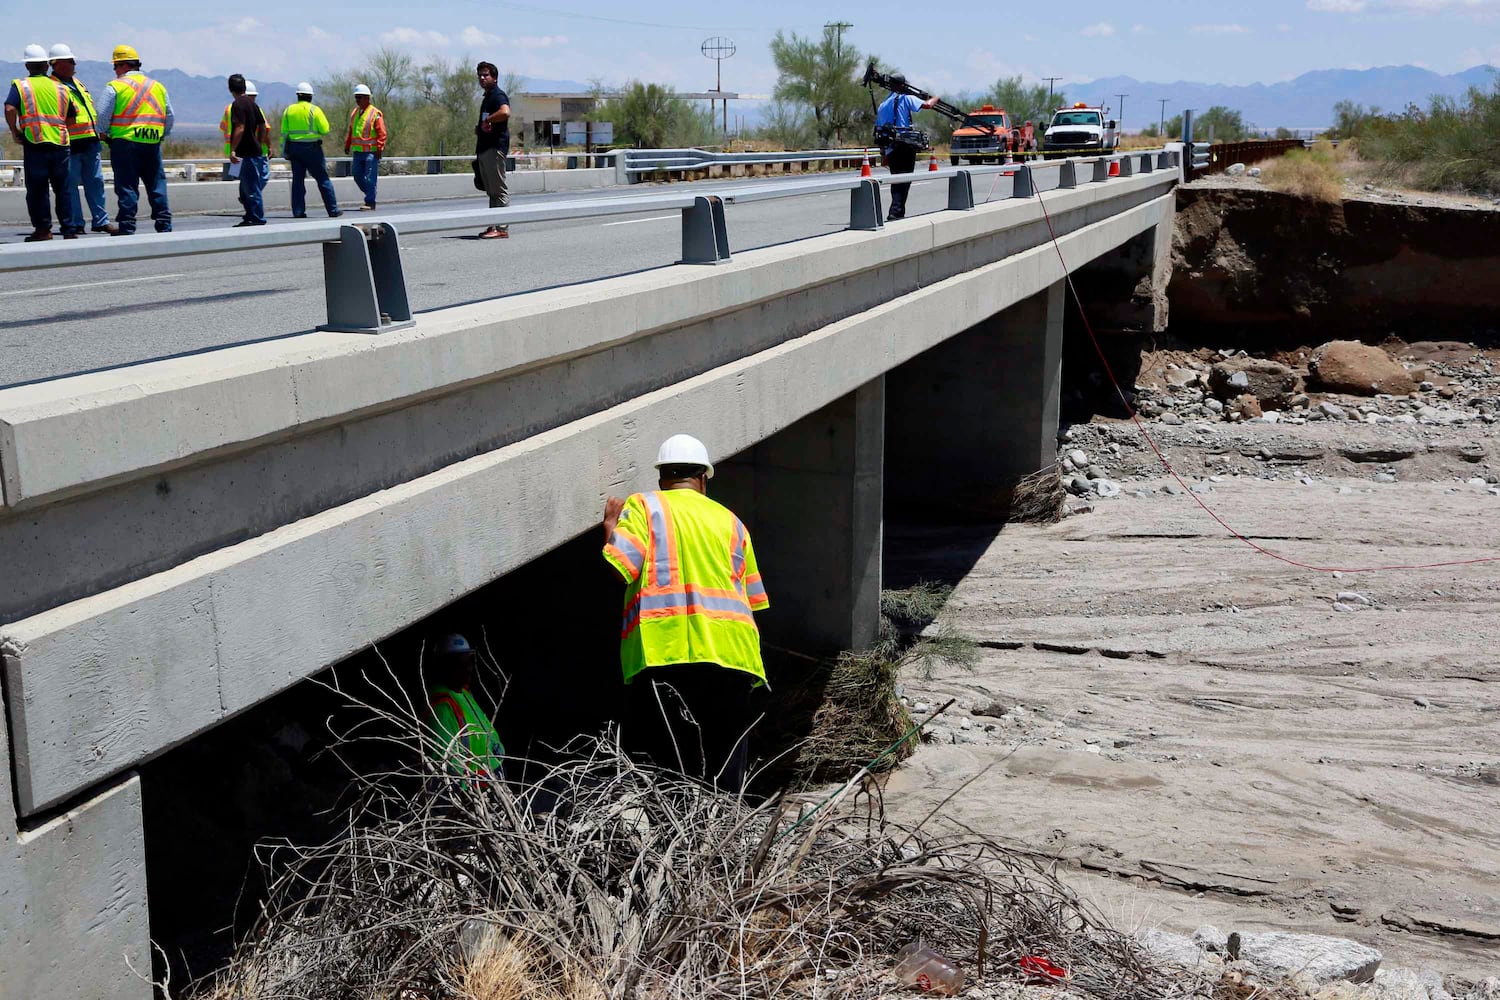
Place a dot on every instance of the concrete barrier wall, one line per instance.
(204, 197)
(102, 683)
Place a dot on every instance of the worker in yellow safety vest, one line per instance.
(39, 113)
(303, 126)
(365, 139)
(459, 734)
(689, 646)
(135, 115)
(85, 160)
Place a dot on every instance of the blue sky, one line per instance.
(944, 46)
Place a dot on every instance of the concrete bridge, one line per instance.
(184, 539)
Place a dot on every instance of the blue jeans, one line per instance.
(136, 163)
(366, 170)
(86, 168)
(255, 171)
(307, 158)
(46, 168)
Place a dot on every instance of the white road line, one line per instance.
(90, 284)
(631, 222)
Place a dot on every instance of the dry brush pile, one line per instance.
(607, 879)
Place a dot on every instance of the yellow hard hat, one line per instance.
(124, 53)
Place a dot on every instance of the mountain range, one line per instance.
(1303, 102)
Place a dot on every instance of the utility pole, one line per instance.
(838, 55)
(1161, 127)
(1121, 113)
(1050, 81)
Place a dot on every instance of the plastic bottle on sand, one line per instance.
(918, 965)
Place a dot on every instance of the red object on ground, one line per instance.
(1037, 967)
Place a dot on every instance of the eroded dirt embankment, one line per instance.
(1254, 262)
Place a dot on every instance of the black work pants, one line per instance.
(46, 169)
(901, 159)
(691, 718)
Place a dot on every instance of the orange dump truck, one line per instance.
(977, 144)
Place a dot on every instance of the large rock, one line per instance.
(1312, 956)
(1349, 366)
(1175, 948)
(1397, 983)
(1271, 383)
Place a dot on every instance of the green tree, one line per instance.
(1227, 124)
(821, 75)
(1024, 103)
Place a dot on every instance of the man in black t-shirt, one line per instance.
(249, 139)
(492, 143)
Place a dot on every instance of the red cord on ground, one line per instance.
(1141, 427)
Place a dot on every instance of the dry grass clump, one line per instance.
(1039, 498)
(1314, 173)
(858, 720)
(607, 879)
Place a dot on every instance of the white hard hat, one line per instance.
(34, 53)
(684, 449)
(360, 90)
(305, 88)
(250, 90)
(60, 51)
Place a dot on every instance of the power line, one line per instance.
(1050, 81)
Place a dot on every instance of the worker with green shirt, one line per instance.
(303, 126)
(460, 733)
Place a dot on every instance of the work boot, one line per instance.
(367, 208)
(109, 228)
(39, 236)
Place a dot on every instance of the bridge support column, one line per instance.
(966, 420)
(811, 496)
(73, 897)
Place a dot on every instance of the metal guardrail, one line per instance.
(650, 161)
(365, 282)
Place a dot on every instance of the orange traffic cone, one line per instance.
(932, 163)
(864, 168)
(1114, 168)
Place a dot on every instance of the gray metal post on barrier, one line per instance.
(434, 166)
(1067, 175)
(1127, 166)
(1101, 171)
(342, 168)
(1145, 163)
(704, 238)
(1025, 185)
(1164, 160)
(364, 282)
(866, 213)
(960, 192)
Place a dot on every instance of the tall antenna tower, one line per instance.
(718, 49)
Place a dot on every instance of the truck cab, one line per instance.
(976, 144)
(1078, 130)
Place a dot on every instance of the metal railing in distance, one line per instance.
(364, 278)
(651, 161)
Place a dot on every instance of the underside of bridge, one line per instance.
(225, 738)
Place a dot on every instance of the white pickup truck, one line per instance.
(1080, 129)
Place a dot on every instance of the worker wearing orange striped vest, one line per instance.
(689, 646)
(365, 139)
(460, 735)
(85, 156)
(135, 115)
(39, 113)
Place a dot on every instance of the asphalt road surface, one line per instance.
(64, 321)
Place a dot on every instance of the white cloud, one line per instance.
(1470, 58)
(416, 38)
(218, 47)
(1101, 30)
(475, 37)
(1140, 29)
(1219, 29)
(1336, 6)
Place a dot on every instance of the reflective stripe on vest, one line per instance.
(693, 599)
(297, 123)
(83, 126)
(362, 129)
(140, 111)
(44, 110)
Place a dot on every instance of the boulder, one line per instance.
(1272, 383)
(1349, 366)
(1315, 957)
(1175, 948)
(1397, 983)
